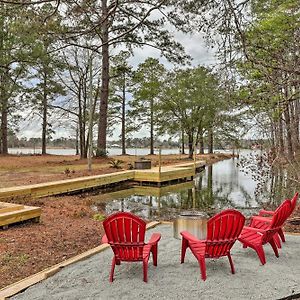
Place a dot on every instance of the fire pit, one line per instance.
(142, 164)
(192, 221)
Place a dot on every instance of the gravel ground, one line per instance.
(88, 279)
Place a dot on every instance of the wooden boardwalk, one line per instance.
(157, 176)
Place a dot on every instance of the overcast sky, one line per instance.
(195, 47)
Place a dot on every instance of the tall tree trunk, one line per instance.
(45, 112)
(191, 144)
(102, 124)
(201, 143)
(151, 127)
(81, 121)
(280, 136)
(77, 141)
(123, 132)
(297, 121)
(84, 114)
(3, 98)
(294, 124)
(210, 140)
(289, 142)
(182, 141)
(4, 114)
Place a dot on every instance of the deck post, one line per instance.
(159, 163)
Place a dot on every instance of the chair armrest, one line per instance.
(105, 239)
(266, 212)
(262, 219)
(190, 237)
(155, 237)
(254, 229)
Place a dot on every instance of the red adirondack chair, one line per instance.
(125, 233)
(223, 230)
(255, 238)
(264, 222)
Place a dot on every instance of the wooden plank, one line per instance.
(7, 207)
(161, 191)
(23, 284)
(29, 212)
(64, 186)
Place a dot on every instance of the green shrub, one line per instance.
(100, 152)
(99, 217)
(116, 163)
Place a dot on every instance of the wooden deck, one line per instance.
(14, 213)
(184, 172)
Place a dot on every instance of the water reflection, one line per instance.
(226, 184)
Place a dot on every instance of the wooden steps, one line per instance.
(14, 213)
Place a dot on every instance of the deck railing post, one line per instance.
(159, 163)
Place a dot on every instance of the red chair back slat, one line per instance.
(126, 234)
(280, 216)
(294, 202)
(222, 231)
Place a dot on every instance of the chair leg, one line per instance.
(184, 246)
(202, 268)
(145, 270)
(261, 254)
(113, 263)
(154, 254)
(277, 240)
(231, 263)
(273, 244)
(281, 234)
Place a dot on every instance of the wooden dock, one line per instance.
(14, 213)
(156, 176)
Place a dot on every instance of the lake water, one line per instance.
(111, 151)
(225, 184)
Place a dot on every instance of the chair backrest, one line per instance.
(280, 216)
(294, 202)
(223, 229)
(126, 235)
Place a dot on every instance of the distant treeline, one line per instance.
(15, 142)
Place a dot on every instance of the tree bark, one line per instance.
(77, 141)
(191, 145)
(151, 127)
(297, 121)
(289, 142)
(45, 112)
(280, 137)
(123, 129)
(201, 142)
(80, 121)
(210, 140)
(182, 142)
(4, 114)
(102, 123)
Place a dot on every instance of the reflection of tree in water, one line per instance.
(215, 190)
